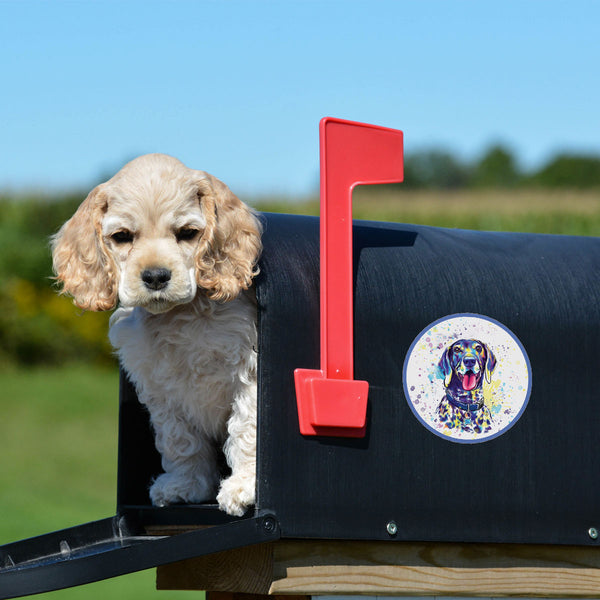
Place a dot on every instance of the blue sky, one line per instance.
(237, 88)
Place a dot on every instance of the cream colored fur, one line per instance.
(187, 341)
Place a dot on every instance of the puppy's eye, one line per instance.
(456, 350)
(122, 237)
(478, 348)
(186, 234)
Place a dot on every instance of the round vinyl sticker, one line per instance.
(467, 378)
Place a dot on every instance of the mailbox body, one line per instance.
(535, 483)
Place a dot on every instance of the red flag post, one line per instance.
(330, 401)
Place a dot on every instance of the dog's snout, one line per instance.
(469, 362)
(156, 279)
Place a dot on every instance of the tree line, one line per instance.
(498, 168)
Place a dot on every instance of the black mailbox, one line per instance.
(534, 299)
(479, 350)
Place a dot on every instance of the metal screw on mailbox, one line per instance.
(269, 524)
(392, 528)
(593, 533)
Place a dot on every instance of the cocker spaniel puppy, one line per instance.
(177, 251)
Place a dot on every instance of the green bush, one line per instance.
(26, 225)
(569, 171)
(36, 325)
(39, 327)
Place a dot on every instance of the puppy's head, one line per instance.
(465, 363)
(155, 234)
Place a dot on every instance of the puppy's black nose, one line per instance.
(156, 279)
(469, 362)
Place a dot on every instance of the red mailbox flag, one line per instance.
(330, 401)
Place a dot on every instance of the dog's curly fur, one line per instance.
(177, 250)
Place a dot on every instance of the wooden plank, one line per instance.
(245, 570)
(392, 568)
(236, 596)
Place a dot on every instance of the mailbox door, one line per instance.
(535, 483)
(112, 547)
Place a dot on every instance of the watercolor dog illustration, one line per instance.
(464, 365)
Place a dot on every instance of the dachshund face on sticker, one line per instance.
(465, 363)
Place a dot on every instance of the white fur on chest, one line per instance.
(191, 362)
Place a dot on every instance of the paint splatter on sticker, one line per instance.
(467, 378)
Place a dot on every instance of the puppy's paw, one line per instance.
(171, 488)
(236, 495)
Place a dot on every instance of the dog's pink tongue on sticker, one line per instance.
(469, 381)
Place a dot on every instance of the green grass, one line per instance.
(58, 466)
(533, 211)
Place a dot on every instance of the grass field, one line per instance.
(534, 211)
(58, 466)
(59, 427)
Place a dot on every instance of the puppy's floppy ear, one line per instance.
(445, 366)
(230, 245)
(490, 363)
(80, 259)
